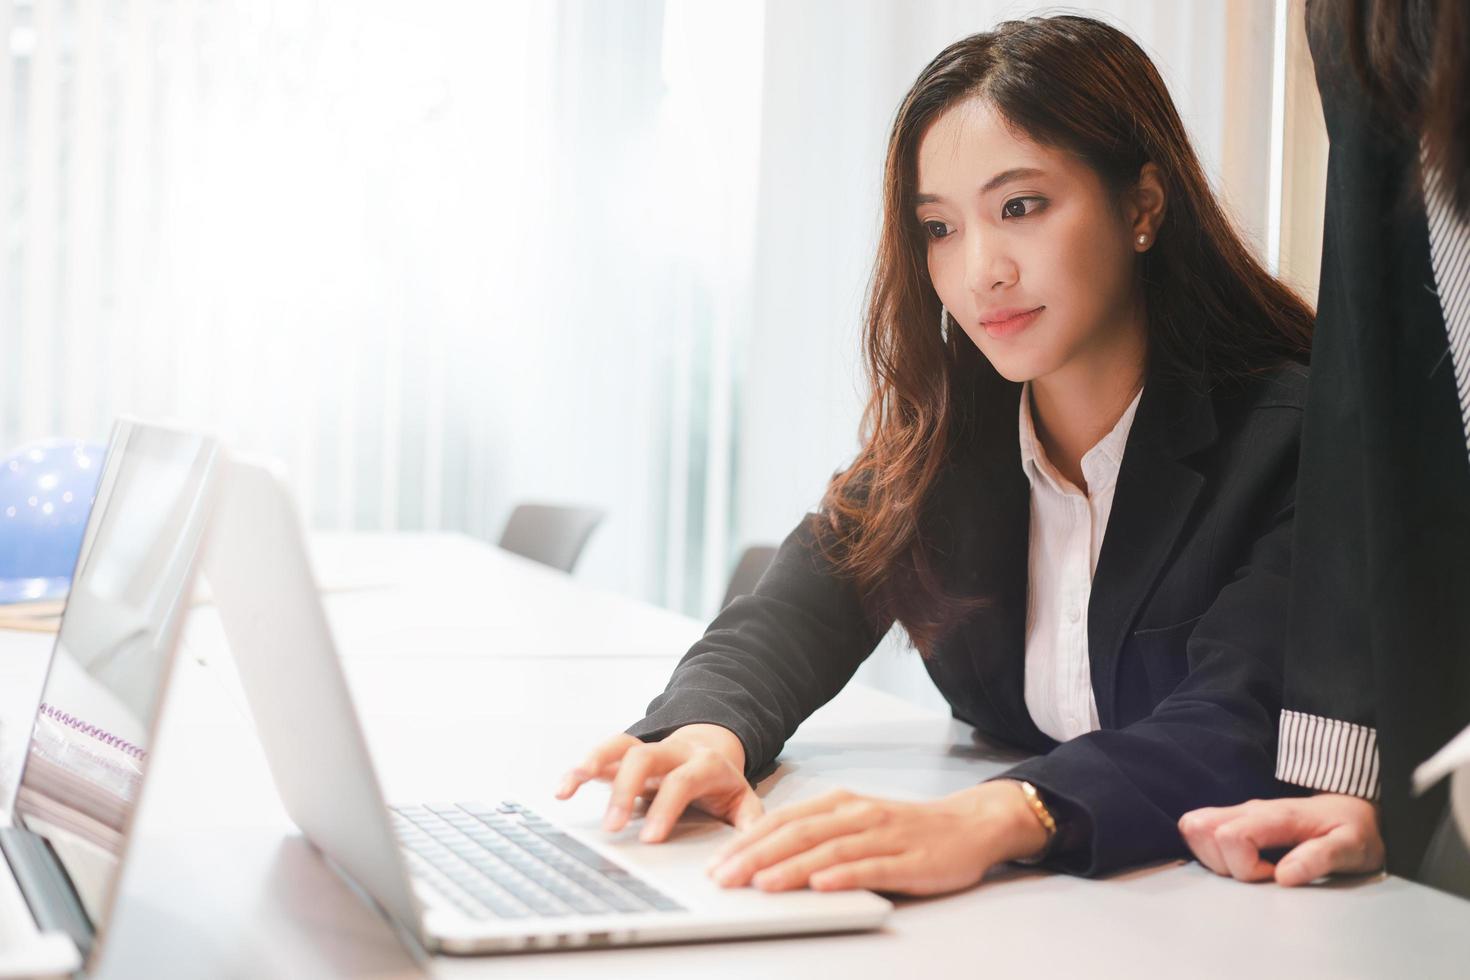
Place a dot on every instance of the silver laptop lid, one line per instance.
(93, 731)
(260, 574)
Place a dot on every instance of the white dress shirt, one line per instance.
(1066, 536)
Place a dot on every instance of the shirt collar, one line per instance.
(1100, 464)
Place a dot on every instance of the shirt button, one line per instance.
(1074, 614)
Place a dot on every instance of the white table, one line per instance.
(491, 681)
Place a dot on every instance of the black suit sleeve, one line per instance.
(771, 658)
(1211, 742)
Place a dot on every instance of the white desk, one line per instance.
(222, 886)
(453, 595)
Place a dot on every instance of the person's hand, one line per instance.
(841, 841)
(1328, 833)
(697, 765)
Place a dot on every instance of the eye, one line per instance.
(1020, 207)
(935, 229)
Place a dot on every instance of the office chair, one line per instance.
(550, 534)
(748, 570)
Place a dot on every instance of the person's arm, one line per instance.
(767, 662)
(1119, 794)
(770, 658)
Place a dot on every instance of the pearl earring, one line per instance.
(943, 324)
(1143, 241)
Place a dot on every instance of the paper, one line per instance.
(32, 617)
(1453, 760)
(51, 954)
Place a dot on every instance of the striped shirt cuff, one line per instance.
(1328, 755)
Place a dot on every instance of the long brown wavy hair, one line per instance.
(1214, 313)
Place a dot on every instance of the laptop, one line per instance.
(470, 877)
(90, 741)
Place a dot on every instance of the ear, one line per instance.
(1146, 203)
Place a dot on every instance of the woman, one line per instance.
(1064, 336)
(1378, 676)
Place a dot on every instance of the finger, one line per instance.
(608, 753)
(639, 764)
(573, 779)
(1276, 823)
(1341, 850)
(779, 818)
(796, 871)
(748, 811)
(792, 838)
(883, 874)
(1207, 818)
(605, 755)
(1198, 829)
(682, 785)
(1241, 852)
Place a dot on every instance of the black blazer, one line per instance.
(1380, 622)
(1185, 624)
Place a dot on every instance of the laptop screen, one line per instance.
(90, 743)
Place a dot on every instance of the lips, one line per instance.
(1009, 322)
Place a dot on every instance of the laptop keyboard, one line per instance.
(505, 862)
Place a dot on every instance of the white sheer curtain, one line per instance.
(445, 256)
(441, 257)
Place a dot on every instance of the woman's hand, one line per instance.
(1327, 833)
(697, 765)
(843, 841)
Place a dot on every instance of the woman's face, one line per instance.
(1026, 249)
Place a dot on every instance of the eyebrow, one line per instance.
(1004, 177)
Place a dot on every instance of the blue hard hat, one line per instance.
(46, 492)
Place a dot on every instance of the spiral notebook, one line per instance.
(81, 776)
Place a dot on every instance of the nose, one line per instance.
(988, 266)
